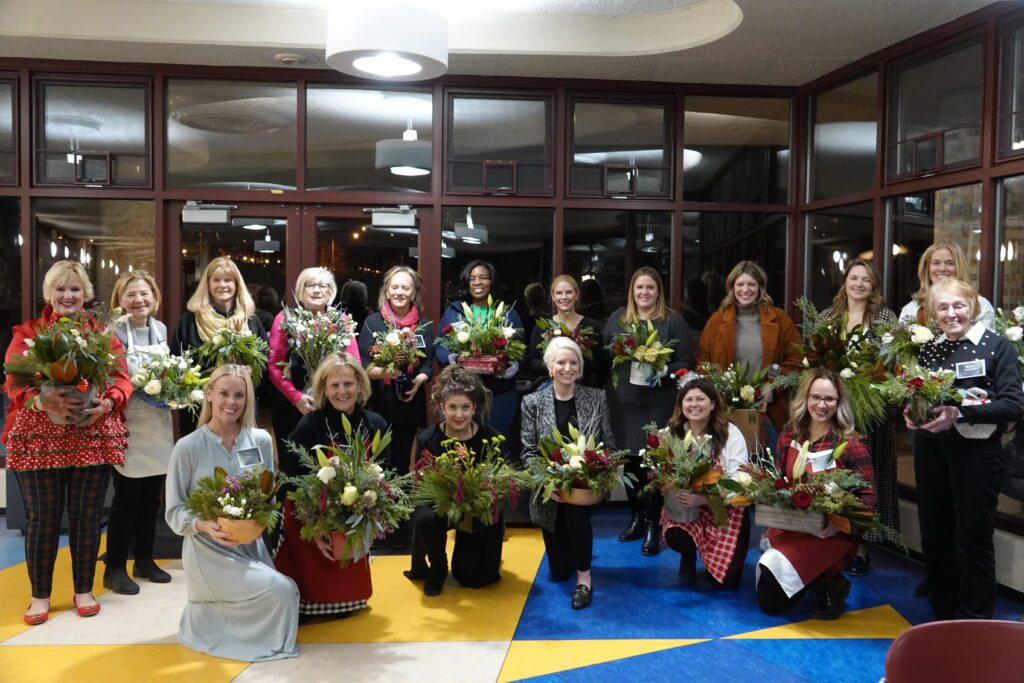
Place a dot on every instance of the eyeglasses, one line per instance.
(958, 307)
(479, 278)
(317, 285)
(824, 400)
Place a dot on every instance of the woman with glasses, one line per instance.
(823, 418)
(958, 457)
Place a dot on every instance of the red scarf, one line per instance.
(411, 319)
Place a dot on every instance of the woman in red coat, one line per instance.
(56, 462)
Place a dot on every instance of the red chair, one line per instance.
(968, 650)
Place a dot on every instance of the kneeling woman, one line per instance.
(568, 534)
(464, 402)
(821, 414)
(700, 409)
(340, 387)
(239, 606)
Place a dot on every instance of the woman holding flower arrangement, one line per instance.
(567, 322)
(641, 390)
(140, 480)
(239, 607)
(478, 283)
(822, 419)
(67, 386)
(941, 260)
(568, 534)
(340, 387)
(958, 461)
(700, 411)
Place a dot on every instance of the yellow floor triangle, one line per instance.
(527, 658)
(874, 622)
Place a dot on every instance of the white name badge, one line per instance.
(420, 342)
(969, 369)
(249, 458)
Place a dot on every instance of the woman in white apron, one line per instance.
(139, 482)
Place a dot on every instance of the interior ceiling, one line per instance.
(735, 41)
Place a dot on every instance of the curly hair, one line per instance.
(718, 423)
(453, 380)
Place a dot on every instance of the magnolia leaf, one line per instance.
(346, 425)
(375, 444)
(385, 440)
(266, 481)
(220, 473)
(838, 451)
(320, 457)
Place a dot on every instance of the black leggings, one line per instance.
(682, 543)
(649, 504)
(770, 596)
(133, 517)
(476, 558)
(571, 545)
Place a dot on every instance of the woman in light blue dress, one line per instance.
(239, 606)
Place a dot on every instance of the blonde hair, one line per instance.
(62, 273)
(875, 302)
(241, 371)
(661, 310)
(800, 420)
(562, 344)
(315, 273)
(417, 284)
(200, 299)
(751, 268)
(564, 277)
(126, 279)
(962, 270)
(332, 364)
(949, 285)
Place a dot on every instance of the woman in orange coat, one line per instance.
(748, 328)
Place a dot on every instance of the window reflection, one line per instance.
(1011, 100)
(845, 139)
(1011, 241)
(836, 237)
(8, 171)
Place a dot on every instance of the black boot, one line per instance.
(434, 583)
(634, 531)
(688, 567)
(146, 568)
(830, 601)
(117, 580)
(652, 539)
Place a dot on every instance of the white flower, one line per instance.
(747, 393)
(742, 478)
(370, 497)
(30, 343)
(806, 364)
(1014, 333)
(232, 510)
(847, 373)
(377, 470)
(334, 460)
(1018, 314)
(888, 338)
(152, 387)
(350, 494)
(576, 462)
(75, 333)
(557, 332)
(463, 337)
(81, 342)
(831, 488)
(217, 340)
(26, 352)
(392, 338)
(920, 334)
(508, 332)
(197, 395)
(139, 378)
(855, 338)
(182, 365)
(325, 474)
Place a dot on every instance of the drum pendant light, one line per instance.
(386, 42)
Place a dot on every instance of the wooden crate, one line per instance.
(804, 521)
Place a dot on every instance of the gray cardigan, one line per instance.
(539, 420)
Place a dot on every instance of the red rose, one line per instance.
(556, 456)
(653, 441)
(447, 329)
(589, 456)
(916, 383)
(680, 373)
(802, 500)
(500, 342)
(781, 484)
(630, 342)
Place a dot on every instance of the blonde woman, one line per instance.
(565, 298)
(942, 260)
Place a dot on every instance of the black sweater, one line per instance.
(383, 398)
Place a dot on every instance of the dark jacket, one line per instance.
(384, 398)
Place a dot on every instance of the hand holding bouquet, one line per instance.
(575, 462)
(394, 351)
(314, 336)
(171, 382)
(233, 347)
(242, 504)
(741, 385)
(685, 464)
(922, 389)
(639, 343)
(483, 342)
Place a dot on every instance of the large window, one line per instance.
(231, 134)
(376, 140)
(1010, 280)
(8, 136)
(92, 135)
(500, 145)
(935, 113)
(11, 245)
(1011, 92)
(621, 150)
(844, 144)
(834, 238)
(736, 150)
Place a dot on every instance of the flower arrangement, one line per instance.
(483, 342)
(1010, 327)
(741, 385)
(171, 382)
(467, 487)
(685, 464)
(585, 337)
(347, 494)
(576, 461)
(902, 342)
(314, 336)
(922, 389)
(639, 343)
(243, 504)
(231, 346)
(395, 352)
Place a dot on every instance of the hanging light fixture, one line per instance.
(386, 41)
(267, 246)
(408, 156)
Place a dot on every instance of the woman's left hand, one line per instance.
(828, 532)
(417, 382)
(945, 416)
(106, 405)
(691, 499)
(325, 546)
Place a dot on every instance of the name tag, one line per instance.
(249, 458)
(969, 369)
(420, 342)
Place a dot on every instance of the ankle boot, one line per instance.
(830, 599)
(436, 575)
(652, 539)
(146, 568)
(118, 581)
(634, 531)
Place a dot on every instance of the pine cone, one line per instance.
(401, 358)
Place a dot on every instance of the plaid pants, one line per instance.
(44, 492)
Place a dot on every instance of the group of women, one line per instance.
(245, 602)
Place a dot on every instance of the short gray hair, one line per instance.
(562, 344)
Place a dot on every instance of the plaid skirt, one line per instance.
(716, 545)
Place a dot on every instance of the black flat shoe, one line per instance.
(634, 531)
(434, 583)
(118, 581)
(859, 566)
(146, 568)
(831, 603)
(414, 576)
(582, 597)
(652, 540)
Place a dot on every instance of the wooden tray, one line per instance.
(804, 521)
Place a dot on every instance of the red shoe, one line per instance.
(37, 618)
(90, 611)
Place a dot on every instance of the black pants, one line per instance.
(133, 517)
(772, 599)
(571, 545)
(682, 543)
(649, 504)
(476, 558)
(957, 487)
(44, 493)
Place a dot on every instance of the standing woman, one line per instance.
(139, 482)
(464, 401)
(958, 457)
(479, 280)
(58, 462)
(565, 297)
(860, 300)
(239, 607)
(700, 409)
(340, 387)
(314, 290)
(942, 260)
(632, 405)
(823, 416)
(568, 534)
(748, 328)
(221, 301)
